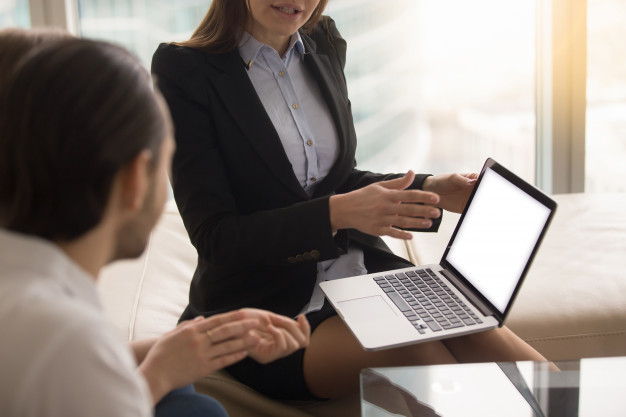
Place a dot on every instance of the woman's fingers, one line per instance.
(399, 183)
(227, 347)
(415, 210)
(396, 233)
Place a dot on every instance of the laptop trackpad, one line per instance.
(366, 309)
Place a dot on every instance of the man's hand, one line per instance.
(278, 335)
(197, 348)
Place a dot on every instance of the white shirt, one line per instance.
(58, 355)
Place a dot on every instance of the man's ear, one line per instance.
(134, 180)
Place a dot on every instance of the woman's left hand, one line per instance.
(278, 335)
(453, 189)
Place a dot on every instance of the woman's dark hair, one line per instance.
(73, 114)
(224, 24)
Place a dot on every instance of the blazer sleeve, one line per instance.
(222, 233)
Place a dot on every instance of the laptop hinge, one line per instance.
(467, 293)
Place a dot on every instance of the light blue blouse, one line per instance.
(294, 103)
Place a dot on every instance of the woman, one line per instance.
(265, 179)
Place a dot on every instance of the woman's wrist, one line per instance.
(335, 207)
(428, 184)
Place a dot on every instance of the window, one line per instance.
(605, 153)
(140, 25)
(14, 13)
(442, 85)
(438, 86)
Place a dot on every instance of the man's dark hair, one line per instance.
(73, 114)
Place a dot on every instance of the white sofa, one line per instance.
(572, 304)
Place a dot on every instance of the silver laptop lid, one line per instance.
(497, 236)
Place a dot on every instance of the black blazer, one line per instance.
(257, 233)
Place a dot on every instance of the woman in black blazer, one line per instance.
(259, 234)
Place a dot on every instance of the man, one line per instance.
(85, 143)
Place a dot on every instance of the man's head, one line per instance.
(82, 134)
(15, 43)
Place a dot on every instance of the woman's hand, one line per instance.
(380, 209)
(453, 189)
(278, 335)
(197, 348)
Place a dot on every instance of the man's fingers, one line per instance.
(229, 330)
(208, 323)
(223, 361)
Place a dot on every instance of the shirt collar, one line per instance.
(249, 48)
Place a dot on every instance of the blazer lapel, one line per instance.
(320, 66)
(240, 98)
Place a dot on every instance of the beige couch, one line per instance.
(572, 305)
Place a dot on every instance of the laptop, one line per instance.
(473, 287)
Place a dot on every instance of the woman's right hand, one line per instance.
(197, 348)
(379, 209)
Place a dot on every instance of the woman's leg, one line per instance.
(187, 402)
(498, 345)
(334, 358)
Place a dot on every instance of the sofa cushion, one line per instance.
(145, 297)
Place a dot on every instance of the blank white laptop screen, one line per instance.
(497, 237)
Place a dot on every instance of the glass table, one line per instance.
(585, 388)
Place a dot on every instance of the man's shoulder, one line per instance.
(61, 355)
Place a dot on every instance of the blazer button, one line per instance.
(307, 256)
(315, 254)
(291, 260)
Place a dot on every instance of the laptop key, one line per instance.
(469, 321)
(399, 301)
(433, 326)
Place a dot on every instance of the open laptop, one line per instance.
(471, 289)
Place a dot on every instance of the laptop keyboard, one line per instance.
(426, 301)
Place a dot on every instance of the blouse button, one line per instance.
(281, 73)
(309, 142)
(295, 106)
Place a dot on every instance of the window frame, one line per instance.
(561, 95)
